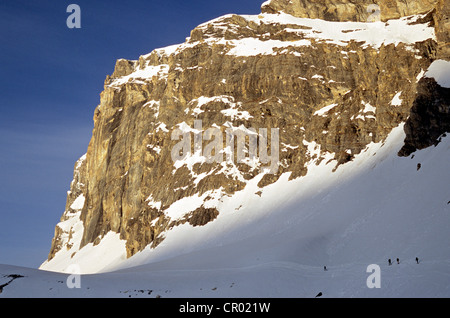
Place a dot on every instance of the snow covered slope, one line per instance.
(276, 243)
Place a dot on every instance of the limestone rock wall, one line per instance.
(325, 95)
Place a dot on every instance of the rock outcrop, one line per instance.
(429, 118)
(350, 10)
(329, 88)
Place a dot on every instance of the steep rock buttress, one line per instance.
(330, 87)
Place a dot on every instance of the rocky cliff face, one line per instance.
(329, 88)
(349, 10)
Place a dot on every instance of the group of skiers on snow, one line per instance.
(389, 262)
(398, 261)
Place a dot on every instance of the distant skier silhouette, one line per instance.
(417, 260)
(390, 262)
(318, 295)
(398, 261)
(325, 268)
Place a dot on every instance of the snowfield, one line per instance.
(377, 207)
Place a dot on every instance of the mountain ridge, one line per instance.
(271, 71)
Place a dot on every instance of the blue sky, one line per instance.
(50, 80)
